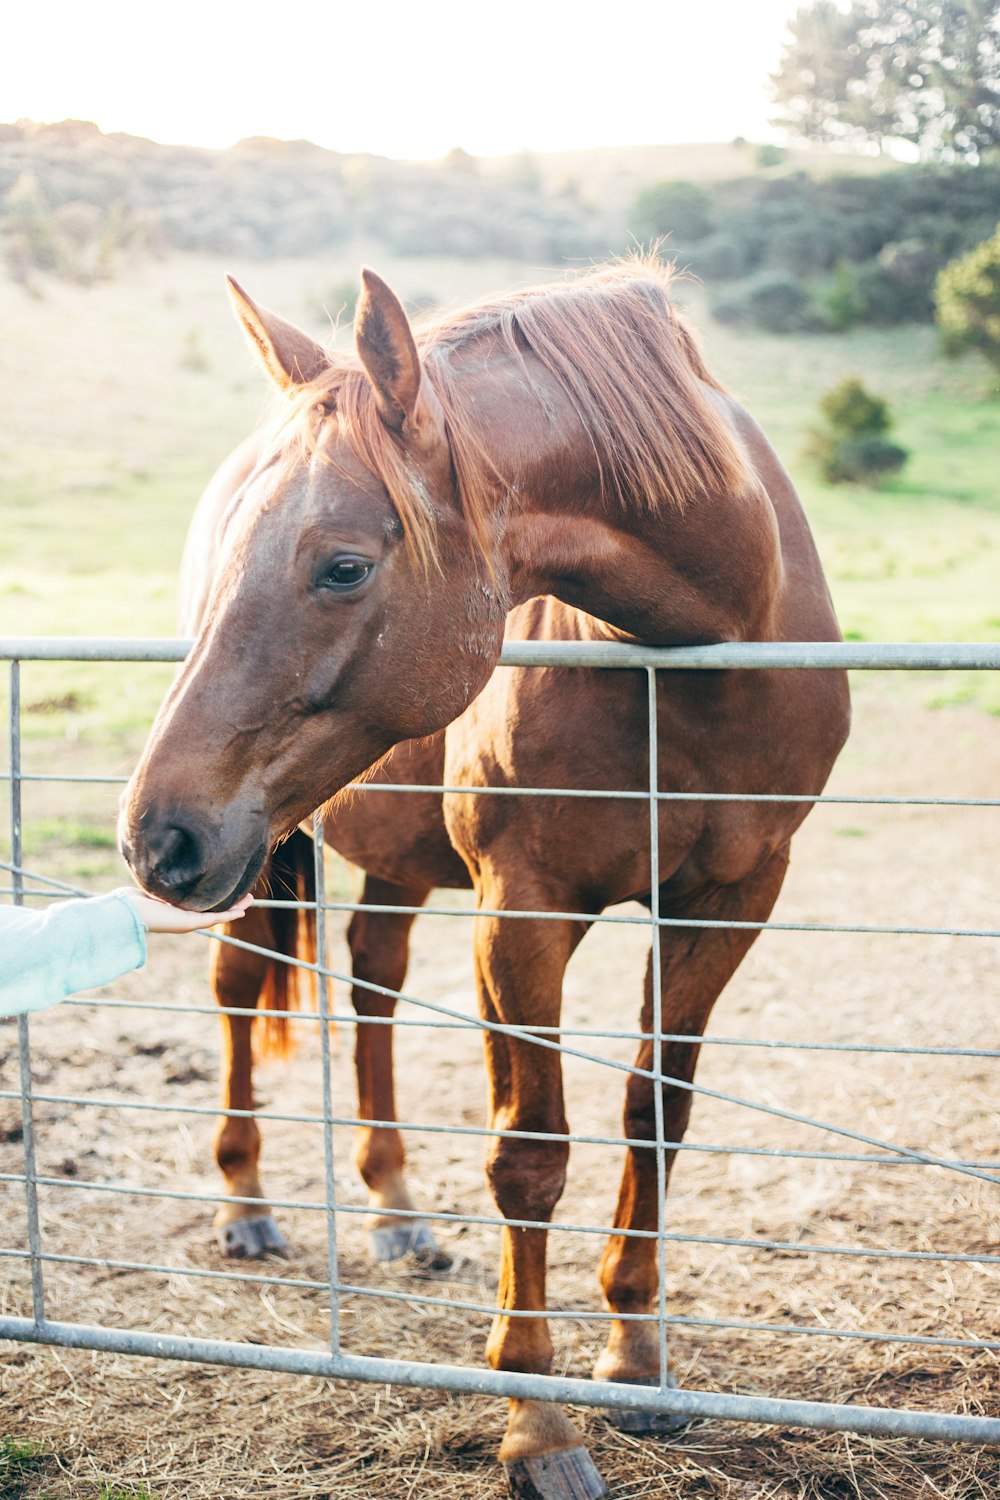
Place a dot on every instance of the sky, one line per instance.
(399, 79)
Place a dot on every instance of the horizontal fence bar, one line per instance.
(673, 1237)
(893, 656)
(647, 920)
(656, 1319)
(94, 648)
(497, 1221)
(712, 1405)
(770, 1153)
(460, 1023)
(97, 1263)
(440, 789)
(592, 918)
(487, 1131)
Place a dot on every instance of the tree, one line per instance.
(814, 81)
(967, 295)
(922, 71)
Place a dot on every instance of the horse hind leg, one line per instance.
(696, 964)
(243, 1230)
(379, 944)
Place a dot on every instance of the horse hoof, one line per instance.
(646, 1423)
(247, 1239)
(568, 1475)
(415, 1240)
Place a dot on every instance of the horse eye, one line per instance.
(344, 574)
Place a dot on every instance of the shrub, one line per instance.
(768, 155)
(774, 300)
(895, 228)
(897, 286)
(684, 210)
(841, 299)
(855, 412)
(967, 294)
(851, 446)
(28, 223)
(804, 245)
(722, 257)
(862, 460)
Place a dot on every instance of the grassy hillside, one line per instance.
(613, 175)
(73, 200)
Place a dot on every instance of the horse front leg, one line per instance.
(379, 944)
(695, 966)
(242, 1230)
(519, 976)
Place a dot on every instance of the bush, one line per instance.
(722, 257)
(683, 210)
(851, 446)
(862, 460)
(898, 285)
(774, 300)
(850, 409)
(967, 294)
(768, 155)
(896, 229)
(841, 299)
(805, 246)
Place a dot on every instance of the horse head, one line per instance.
(351, 611)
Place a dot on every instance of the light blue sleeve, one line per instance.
(45, 956)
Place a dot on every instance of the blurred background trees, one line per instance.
(924, 72)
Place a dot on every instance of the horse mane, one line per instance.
(623, 356)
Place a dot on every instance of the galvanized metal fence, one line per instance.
(579, 1043)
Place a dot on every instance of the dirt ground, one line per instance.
(204, 1433)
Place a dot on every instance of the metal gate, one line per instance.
(337, 1360)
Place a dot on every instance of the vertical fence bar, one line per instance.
(657, 1027)
(23, 1035)
(323, 995)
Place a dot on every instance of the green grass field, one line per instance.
(120, 399)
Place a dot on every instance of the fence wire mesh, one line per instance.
(123, 1140)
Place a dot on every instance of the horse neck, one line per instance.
(706, 572)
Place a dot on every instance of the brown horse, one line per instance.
(566, 442)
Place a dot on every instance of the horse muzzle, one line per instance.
(188, 860)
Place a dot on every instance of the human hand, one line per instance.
(160, 916)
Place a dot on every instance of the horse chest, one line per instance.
(579, 731)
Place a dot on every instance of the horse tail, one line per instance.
(291, 876)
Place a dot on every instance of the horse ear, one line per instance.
(387, 351)
(288, 355)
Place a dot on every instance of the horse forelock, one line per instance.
(339, 407)
(609, 339)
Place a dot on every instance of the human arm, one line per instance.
(45, 956)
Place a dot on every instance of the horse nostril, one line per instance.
(178, 863)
